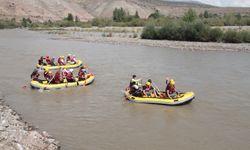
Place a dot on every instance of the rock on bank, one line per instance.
(18, 135)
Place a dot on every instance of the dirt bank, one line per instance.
(16, 134)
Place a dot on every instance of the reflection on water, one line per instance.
(98, 117)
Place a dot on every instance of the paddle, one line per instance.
(157, 89)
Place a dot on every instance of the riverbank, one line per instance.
(15, 134)
(130, 36)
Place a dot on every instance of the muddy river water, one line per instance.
(98, 117)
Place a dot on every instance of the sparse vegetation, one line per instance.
(190, 27)
(9, 24)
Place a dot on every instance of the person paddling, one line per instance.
(48, 60)
(35, 75)
(58, 78)
(61, 61)
(170, 89)
(73, 59)
(40, 61)
(135, 90)
(148, 90)
(137, 81)
(68, 58)
(48, 75)
(82, 73)
(68, 74)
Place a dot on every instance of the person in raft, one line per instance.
(82, 74)
(71, 59)
(137, 81)
(35, 75)
(135, 90)
(68, 58)
(58, 77)
(61, 61)
(48, 75)
(48, 60)
(40, 61)
(68, 75)
(148, 90)
(53, 63)
(170, 89)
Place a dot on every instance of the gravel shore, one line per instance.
(16, 134)
(183, 45)
(130, 36)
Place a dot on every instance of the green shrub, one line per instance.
(245, 36)
(215, 35)
(171, 31)
(101, 22)
(231, 36)
(9, 24)
(190, 15)
(149, 32)
(202, 31)
(155, 15)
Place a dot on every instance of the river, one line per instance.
(97, 117)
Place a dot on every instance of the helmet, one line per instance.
(148, 83)
(71, 70)
(149, 80)
(62, 57)
(172, 82)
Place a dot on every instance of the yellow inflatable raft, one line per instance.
(46, 86)
(184, 98)
(67, 66)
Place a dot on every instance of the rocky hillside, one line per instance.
(42, 10)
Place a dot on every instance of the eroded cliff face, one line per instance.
(43, 10)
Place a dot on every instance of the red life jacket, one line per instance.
(48, 76)
(61, 61)
(57, 76)
(48, 60)
(68, 74)
(81, 74)
(73, 59)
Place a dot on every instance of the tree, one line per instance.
(206, 14)
(70, 17)
(136, 15)
(77, 19)
(155, 15)
(190, 15)
(24, 22)
(119, 15)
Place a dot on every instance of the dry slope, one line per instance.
(41, 10)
